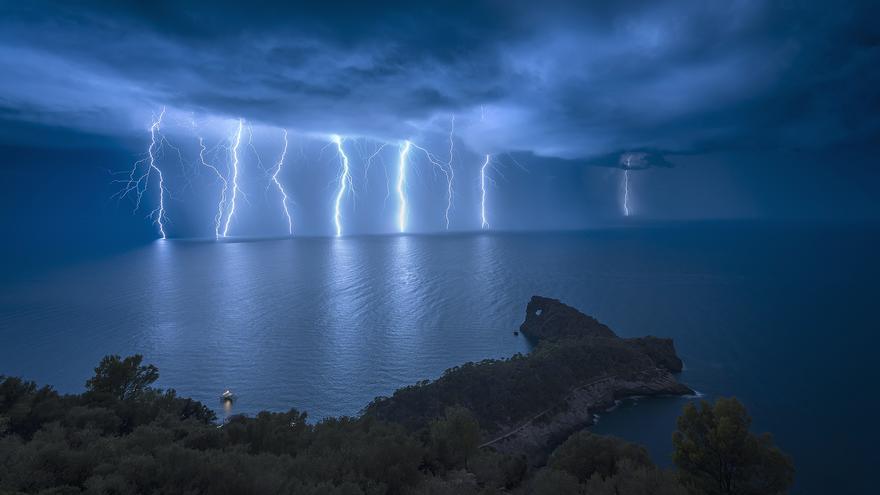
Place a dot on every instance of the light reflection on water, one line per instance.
(323, 325)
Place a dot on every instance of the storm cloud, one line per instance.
(586, 81)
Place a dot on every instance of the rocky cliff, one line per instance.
(550, 319)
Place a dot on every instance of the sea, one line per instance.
(781, 315)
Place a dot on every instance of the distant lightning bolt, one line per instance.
(484, 223)
(626, 187)
(401, 182)
(344, 181)
(222, 203)
(236, 143)
(137, 185)
(280, 188)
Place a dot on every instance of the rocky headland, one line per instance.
(528, 404)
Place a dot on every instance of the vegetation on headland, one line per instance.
(572, 350)
(503, 392)
(123, 436)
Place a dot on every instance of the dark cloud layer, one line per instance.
(581, 81)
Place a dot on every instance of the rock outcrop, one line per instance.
(550, 319)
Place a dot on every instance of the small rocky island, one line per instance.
(528, 404)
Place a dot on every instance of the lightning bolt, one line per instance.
(626, 187)
(401, 182)
(445, 168)
(236, 143)
(344, 182)
(160, 211)
(222, 203)
(138, 185)
(280, 188)
(484, 223)
(451, 175)
(369, 161)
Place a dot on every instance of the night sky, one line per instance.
(742, 109)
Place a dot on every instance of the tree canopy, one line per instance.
(717, 454)
(124, 436)
(122, 378)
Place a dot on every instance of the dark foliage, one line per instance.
(717, 454)
(503, 392)
(455, 437)
(121, 379)
(584, 455)
(122, 436)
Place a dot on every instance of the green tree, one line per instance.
(122, 378)
(585, 454)
(552, 482)
(716, 454)
(634, 479)
(455, 437)
(497, 470)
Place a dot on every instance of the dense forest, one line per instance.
(123, 436)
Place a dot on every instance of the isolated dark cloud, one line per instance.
(583, 81)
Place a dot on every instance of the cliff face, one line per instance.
(529, 404)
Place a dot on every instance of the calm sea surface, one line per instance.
(782, 316)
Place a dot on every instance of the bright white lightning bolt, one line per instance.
(236, 143)
(401, 182)
(344, 181)
(138, 185)
(160, 211)
(484, 223)
(280, 188)
(450, 176)
(222, 203)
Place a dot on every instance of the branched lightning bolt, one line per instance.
(401, 183)
(484, 223)
(369, 161)
(344, 182)
(160, 211)
(445, 168)
(236, 142)
(280, 188)
(222, 203)
(138, 184)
